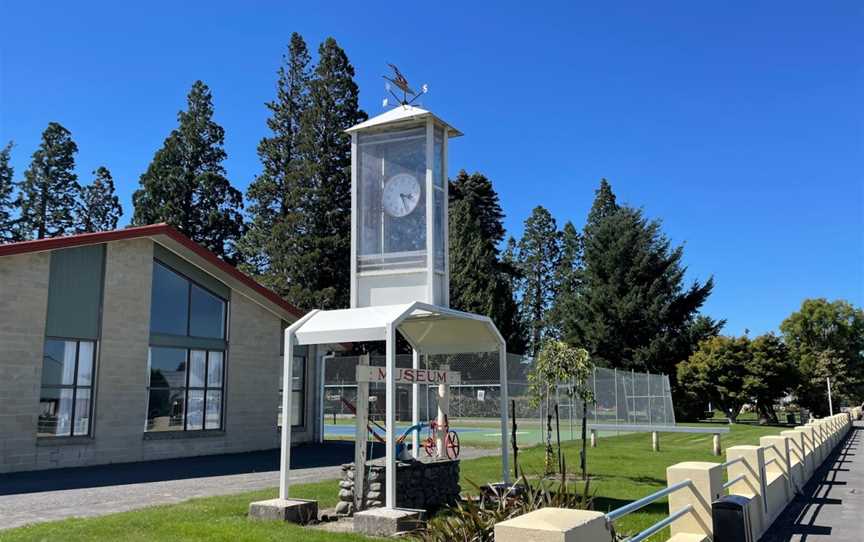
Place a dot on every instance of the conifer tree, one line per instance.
(477, 191)
(50, 186)
(185, 184)
(8, 229)
(479, 280)
(318, 269)
(537, 258)
(276, 194)
(567, 277)
(99, 208)
(633, 309)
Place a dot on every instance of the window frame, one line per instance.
(190, 281)
(187, 388)
(301, 391)
(74, 387)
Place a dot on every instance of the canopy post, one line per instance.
(285, 457)
(505, 450)
(390, 416)
(415, 406)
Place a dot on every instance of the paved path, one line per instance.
(832, 507)
(35, 497)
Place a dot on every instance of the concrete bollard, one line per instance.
(778, 482)
(716, 444)
(555, 525)
(753, 483)
(593, 438)
(655, 441)
(809, 452)
(797, 458)
(706, 487)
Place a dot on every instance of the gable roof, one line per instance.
(165, 235)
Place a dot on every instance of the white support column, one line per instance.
(429, 191)
(285, 457)
(505, 449)
(390, 417)
(415, 406)
(443, 416)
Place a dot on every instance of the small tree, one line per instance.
(558, 363)
(717, 371)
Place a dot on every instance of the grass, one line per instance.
(623, 469)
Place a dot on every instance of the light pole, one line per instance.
(830, 404)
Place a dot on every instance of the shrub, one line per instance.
(474, 520)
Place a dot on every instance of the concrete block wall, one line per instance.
(23, 309)
(253, 374)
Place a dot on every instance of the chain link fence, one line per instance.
(621, 398)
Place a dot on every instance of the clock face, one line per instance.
(401, 195)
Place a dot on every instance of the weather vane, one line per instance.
(408, 96)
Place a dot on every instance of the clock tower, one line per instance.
(399, 245)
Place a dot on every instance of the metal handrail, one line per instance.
(645, 501)
(734, 481)
(663, 523)
(732, 462)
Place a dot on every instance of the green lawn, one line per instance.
(623, 469)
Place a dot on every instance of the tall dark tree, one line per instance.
(476, 189)
(479, 282)
(50, 186)
(568, 279)
(275, 195)
(318, 269)
(633, 309)
(99, 208)
(8, 227)
(185, 184)
(537, 259)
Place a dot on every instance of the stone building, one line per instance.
(139, 344)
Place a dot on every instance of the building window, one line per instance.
(185, 389)
(66, 400)
(298, 391)
(182, 308)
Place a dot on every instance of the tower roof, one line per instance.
(403, 113)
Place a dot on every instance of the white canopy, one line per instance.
(428, 328)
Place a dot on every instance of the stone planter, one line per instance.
(421, 485)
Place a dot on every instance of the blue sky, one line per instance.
(739, 124)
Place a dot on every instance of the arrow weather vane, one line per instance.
(408, 96)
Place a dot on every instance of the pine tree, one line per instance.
(477, 282)
(8, 228)
(50, 186)
(567, 277)
(633, 310)
(185, 184)
(605, 205)
(99, 208)
(318, 269)
(275, 194)
(480, 281)
(537, 259)
(477, 191)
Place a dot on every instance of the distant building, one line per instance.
(139, 344)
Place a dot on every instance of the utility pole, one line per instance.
(830, 404)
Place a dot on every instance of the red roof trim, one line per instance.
(69, 241)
